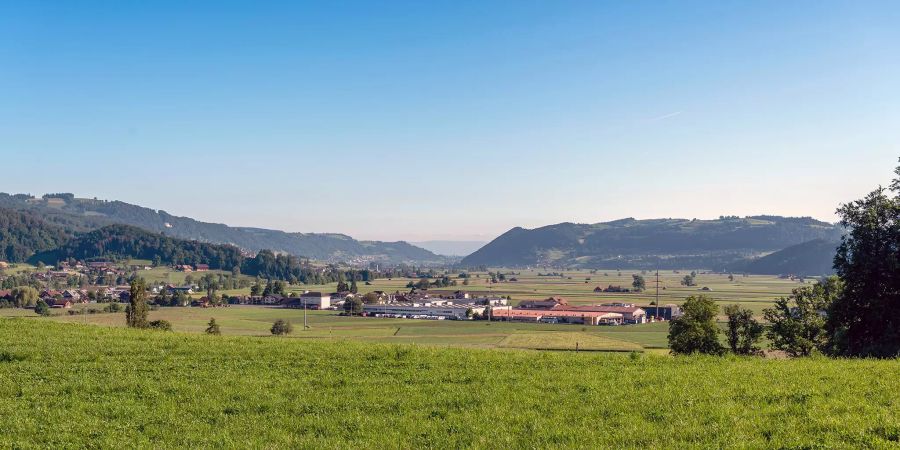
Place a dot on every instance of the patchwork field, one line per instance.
(327, 325)
(753, 292)
(70, 385)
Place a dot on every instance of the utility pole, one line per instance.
(305, 326)
(656, 312)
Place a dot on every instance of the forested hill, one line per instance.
(126, 242)
(668, 243)
(79, 214)
(23, 233)
(815, 257)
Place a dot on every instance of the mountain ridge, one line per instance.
(82, 215)
(648, 243)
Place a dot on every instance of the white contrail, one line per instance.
(666, 116)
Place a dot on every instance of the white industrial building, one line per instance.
(428, 310)
(315, 300)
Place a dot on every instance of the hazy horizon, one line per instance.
(451, 121)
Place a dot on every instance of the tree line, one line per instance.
(855, 313)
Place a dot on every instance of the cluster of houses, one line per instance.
(68, 297)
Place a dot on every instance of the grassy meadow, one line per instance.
(71, 385)
(753, 292)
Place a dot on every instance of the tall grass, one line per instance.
(70, 385)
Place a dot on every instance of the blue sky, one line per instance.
(451, 120)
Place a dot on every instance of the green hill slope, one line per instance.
(815, 257)
(88, 214)
(22, 234)
(129, 388)
(668, 243)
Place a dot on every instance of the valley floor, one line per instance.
(74, 385)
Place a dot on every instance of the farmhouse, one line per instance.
(61, 303)
(201, 267)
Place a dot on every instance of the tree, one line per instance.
(370, 299)
(638, 283)
(281, 327)
(797, 323)
(24, 296)
(865, 319)
(353, 305)
(743, 330)
(688, 280)
(696, 331)
(41, 308)
(212, 327)
(342, 286)
(353, 288)
(136, 313)
(255, 290)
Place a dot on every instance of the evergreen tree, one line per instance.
(136, 314)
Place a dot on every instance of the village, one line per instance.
(63, 288)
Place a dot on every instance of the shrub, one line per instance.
(282, 327)
(161, 325)
(213, 327)
(41, 308)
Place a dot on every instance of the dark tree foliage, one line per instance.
(696, 331)
(23, 234)
(131, 242)
(865, 319)
(638, 282)
(136, 313)
(41, 308)
(161, 325)
(353, 306)
(743, 330)
(797, 323)
(212, 327)
(281, 327)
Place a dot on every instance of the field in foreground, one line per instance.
(68, 385)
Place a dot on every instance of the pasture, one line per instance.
(753, 292)
(70, 385)
(328, 325)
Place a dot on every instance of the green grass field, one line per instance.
(327, 325)
(755, 292)
(70, 385)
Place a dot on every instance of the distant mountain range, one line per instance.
(76, 215)
(666, 243)
(450, 248)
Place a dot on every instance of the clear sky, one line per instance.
(435, 120)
